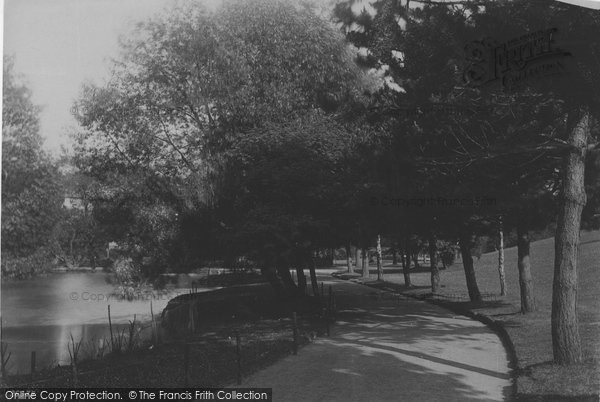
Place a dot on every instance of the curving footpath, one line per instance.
(389, 348)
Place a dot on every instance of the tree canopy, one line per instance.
(31, 195)
(200, 103)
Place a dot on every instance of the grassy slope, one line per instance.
(531, 333)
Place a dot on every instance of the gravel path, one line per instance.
(388, 348)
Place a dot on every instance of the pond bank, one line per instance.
(211, 352)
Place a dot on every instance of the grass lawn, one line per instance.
(530, 333)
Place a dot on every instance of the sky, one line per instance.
(60, 44)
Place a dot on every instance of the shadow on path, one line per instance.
(389, 349)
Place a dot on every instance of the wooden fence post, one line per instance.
(192, 318)
(112, 342)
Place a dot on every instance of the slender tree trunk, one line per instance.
(501, 258)
(379, 259)
(349, 259)
(301, 280)
(406, 270)
(358, 259)
(365, 263)
(524, 265)
(465, 250)
(394, 256)
(313, 275)
(435, 272)
(566, 342)
(406, 262)
(332, 257)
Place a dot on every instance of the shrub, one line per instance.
(24, 267)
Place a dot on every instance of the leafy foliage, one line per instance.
(31, 195)
(212, 119)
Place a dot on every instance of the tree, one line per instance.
(435, 273)
(31, 194)
(501, 275)
(222, 117)
(566, 341)
(349, 267)
(280, 204)
(379, 259)
(420, 67)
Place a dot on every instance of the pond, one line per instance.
(41, 314)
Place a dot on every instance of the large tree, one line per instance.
(195, 92)
(31, 194)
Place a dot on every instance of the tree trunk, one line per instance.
(269, 272)
(501, 259)
(406, 262)
(465, 250)
(435, 272)
(379, 259)
(301, 280)
(365, 263)
(566, 342)
(394, 256)
(286, 277)
(358, 259)
(349, 259)
(406, 269)
(313, 276)
(331, 257)
(524, 265)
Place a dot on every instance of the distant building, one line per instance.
(76, 202)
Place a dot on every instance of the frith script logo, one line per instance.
(514, 62)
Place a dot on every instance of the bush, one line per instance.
(126, 271)
(24, 267)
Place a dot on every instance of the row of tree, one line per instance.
(526, 147)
